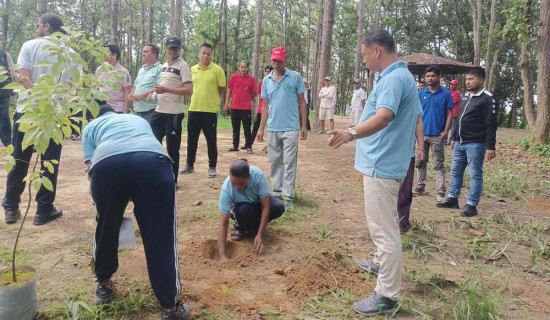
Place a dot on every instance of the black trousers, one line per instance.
(255, 127)
(5, 121)
(15, 185)
(249, 215)
(244, 116)
(208, 123)
(169, 126)
(147, 178)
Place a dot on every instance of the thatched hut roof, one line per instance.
(418, 62)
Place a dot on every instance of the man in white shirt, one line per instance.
(326, 109)
(357, 103)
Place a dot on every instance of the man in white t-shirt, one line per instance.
(31, 53)
(357, 103)
(326, 109)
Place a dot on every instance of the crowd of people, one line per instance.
(394, 127)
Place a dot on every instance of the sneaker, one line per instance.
(469, 211)
(187, 169)
(440, 197)
(369, 266)
(375, 304)
(43, 218)
(104, 294)
(12, 215)
(419, 190)
(212, 172)
(450, 202)
(182, 312)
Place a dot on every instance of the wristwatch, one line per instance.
(353, 133)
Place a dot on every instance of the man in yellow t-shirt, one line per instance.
(208, 86)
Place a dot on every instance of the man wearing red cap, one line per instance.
(285, 113)
(455, 93)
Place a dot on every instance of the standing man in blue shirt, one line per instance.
(245, 197)
(148, 76)
(126, 161)
(385, 142)
(284, 108)
(437, 105)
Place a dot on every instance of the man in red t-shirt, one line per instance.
(453, 85)
(258, 119)
(241, 89)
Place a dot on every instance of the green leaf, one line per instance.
(14, 86)
(37, 183)
(48, 165)
(47, 183)
(9, 149)
(10, 163)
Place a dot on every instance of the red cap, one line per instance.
(278, 53)
(454, 82)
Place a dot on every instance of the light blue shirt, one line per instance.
(113, 134)
(146, 79)
(282, 99)
(387, 153)
(255, 189)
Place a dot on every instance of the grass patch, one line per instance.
(21, 256)
(334, 303)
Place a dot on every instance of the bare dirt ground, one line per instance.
(308, 270)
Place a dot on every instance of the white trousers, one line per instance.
(282, 151)
(354, 117)
(383, 222)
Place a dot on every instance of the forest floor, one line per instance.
(500, 259)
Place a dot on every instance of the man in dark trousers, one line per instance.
(5, 94)
(245, 196)
(472, 141)
(126, 161)
(31, 53)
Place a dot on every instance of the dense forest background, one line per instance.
(510, 38)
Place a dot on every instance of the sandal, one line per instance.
(233, 149)
(236, 235)
(249, 151)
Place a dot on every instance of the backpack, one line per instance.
(4, 63)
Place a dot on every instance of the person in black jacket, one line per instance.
(473, 140)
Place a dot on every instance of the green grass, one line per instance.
(334, 303)
(21, 256)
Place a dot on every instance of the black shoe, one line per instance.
(104, 294)
(469, 211)
(43, 218)
(450, 202)
(12, 215)
(418, 191)
(182, 312)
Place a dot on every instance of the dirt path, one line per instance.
(310, 251)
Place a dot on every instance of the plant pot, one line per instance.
(19, 302)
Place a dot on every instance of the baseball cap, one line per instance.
(172, 42)
(454, 82)
(356, 81)
(327, 78)
(278, 53)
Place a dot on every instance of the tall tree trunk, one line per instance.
(151, 22)
(360, 28)
(476, 6)
(113, 10)
(542, 124)
(5, 24)
(525, 68)
(175, 18)
(237, 31)
(257, 38)
(143, 32)
(490, 76)
(256, 53)
(376, 25)
(326, 42)
(308, 56)
(41, 7)
(489, 50)
(314, 83)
